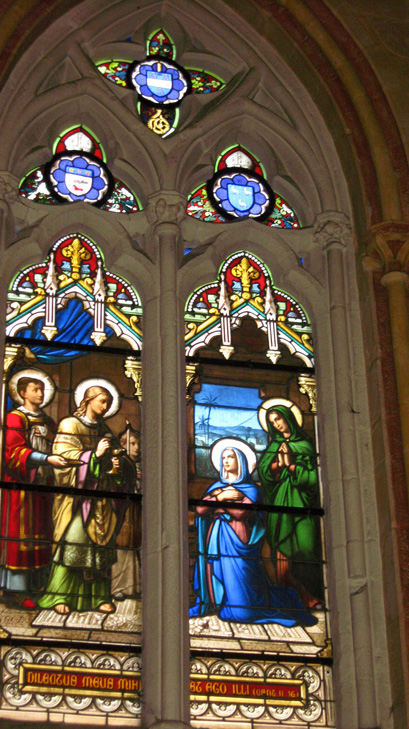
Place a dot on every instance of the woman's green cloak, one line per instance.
(295, 536)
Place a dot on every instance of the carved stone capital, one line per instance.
(166, 207)
(388, 247)
(392, 277)
(332, 229)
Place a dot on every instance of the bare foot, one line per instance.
(106, 607)
(62, 608)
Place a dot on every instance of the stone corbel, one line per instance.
(166, 207)
(165, 212)
(332, 229)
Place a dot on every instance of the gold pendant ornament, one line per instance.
(158, 124)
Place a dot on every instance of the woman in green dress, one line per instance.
(288, 474)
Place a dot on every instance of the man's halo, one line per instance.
(220, 445)
(100, 382)
(49, 385)
(271, 403)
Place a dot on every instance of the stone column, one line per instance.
(396, 283)
(388, 253)
(165, 561)
(332, 233)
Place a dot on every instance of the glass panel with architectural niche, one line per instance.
(258, 605)
(255, 522)
(71, 492)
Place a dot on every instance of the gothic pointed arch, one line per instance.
(310, 92)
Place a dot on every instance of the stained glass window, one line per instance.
(115, 71)
(34, 188)
(160, 44)
(238, 156)
(78, 173)
(259, 619)
(199, 206)
(121, 200)
(159, 82)
(206, 205)
(71, 492)
(204, 82)
(283, 216)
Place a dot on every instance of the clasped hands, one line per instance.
(284, 455)
(227, 494)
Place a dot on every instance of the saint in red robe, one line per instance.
(25, 515)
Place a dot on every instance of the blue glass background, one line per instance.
(223, 411)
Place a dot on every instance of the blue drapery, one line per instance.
(242, 591)
(74, 326)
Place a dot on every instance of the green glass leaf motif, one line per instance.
(114, 71)
(160, 44)
(33, 187)
(204, 82)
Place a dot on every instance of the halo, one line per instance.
(269, 405)
(101, 382)
(241, 445)
(49, 385)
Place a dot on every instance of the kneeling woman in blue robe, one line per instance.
(230, 578)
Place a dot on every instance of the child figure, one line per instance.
(125, 573)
